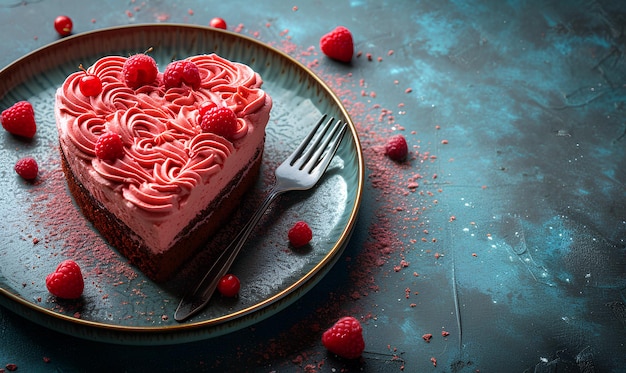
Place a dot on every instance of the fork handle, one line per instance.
(195, 301)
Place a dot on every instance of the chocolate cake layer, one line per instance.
(160, 267)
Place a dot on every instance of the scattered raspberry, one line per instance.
(427, 337)
(338, 44)
(300, 234)
(179, 72)
(19, 119)
(67, 281)
(139, 70)
(218, 22)
(221, 121)
(229, 285)
(345, 338)
(109, 146)
(27, 168)
(396, 148)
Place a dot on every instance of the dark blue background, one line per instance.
(523, 106)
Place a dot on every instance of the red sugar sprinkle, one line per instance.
(162, 17)
(54, 210)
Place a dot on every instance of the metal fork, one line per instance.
(300, 171)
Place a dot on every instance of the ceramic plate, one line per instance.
(42, 226)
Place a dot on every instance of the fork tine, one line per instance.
(308, 153)
(321, 158)
(297, 154)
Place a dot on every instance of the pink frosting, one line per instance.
(166, 152)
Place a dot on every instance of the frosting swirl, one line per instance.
(166, 154)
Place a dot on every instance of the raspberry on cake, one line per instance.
(139, 163)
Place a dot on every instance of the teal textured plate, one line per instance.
(42, 226)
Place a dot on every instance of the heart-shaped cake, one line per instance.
(158, 160)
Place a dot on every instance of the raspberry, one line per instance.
(345, 338)
(139, 70)
(396, 148)
(67, 281)
(109, 146)
(229, 285)
(179, 72)
(338, 44)
(19, 119)
(221, 121)
(27, 168)
(300, 234)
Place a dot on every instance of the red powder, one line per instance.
(384, 176)
(53, 209)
